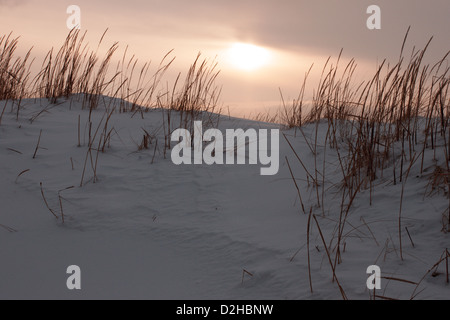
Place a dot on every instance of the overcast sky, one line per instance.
(298, 32)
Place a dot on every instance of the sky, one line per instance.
(292, 35)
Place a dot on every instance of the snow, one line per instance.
(142, 227)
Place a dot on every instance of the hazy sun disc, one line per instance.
(248, 57)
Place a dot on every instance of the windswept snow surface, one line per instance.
(147, 230)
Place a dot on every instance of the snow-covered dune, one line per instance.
(139, 226)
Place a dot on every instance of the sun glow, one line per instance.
(248, 57)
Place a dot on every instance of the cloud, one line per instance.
(318, 26)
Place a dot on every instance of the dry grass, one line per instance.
(379, 128)
(75, 71)
(14, 73)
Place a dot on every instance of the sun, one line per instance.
(248, 57)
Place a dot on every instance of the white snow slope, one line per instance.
(146, 228)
